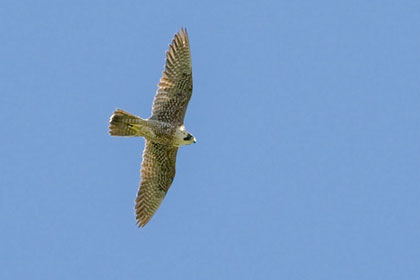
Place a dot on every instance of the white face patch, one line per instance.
(180, 134)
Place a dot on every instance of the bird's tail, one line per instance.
(122, 123)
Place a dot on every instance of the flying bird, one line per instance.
(164, 130)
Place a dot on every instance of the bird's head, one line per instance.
(183, 137)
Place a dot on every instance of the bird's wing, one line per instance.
(157, 174)
(175, 86)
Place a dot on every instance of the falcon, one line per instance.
(164, 130)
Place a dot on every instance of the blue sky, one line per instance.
(307, 120)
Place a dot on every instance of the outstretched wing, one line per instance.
(175, 86)
(157, 174)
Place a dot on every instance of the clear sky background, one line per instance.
(307, 116)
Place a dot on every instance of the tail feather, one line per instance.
(123, 123)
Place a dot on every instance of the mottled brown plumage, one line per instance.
(175, 86)
(164, 131)
(157, 174)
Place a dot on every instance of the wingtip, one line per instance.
(141, 223)
(183, 32)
